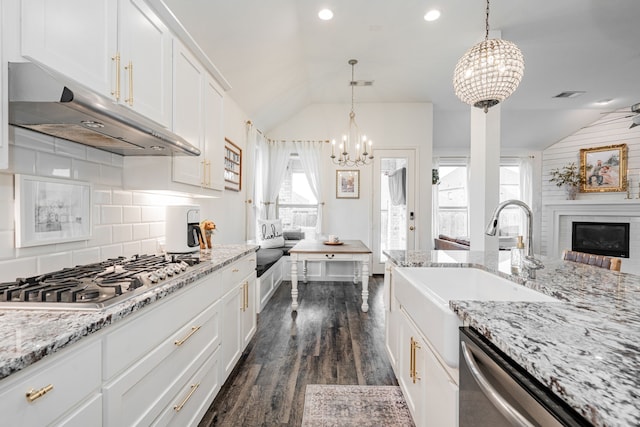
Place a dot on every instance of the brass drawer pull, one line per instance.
(194, 329)
(116, 92)
(129, 68)
(179, 407)
(32, 394)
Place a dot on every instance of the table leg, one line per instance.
(365, 286)
(294, 285)
(355, 272)
(304, 271)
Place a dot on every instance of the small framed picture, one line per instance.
(603, 169)
(347, 184)
(51, 210)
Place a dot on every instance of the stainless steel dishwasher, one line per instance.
(495, 391)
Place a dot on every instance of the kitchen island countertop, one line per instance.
(27, 336)
(586, 349)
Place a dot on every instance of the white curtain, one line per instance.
(274, 156)
(310, 154)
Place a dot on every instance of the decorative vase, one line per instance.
(571, 191)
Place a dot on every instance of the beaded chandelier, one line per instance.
(489, 72)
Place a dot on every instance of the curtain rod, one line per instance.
(249, 123)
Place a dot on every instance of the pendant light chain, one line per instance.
(486, 22)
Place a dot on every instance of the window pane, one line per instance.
(298, 217)
(453, 217)
(297, 206)
(511, 218)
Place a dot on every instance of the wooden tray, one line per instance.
(333, 243)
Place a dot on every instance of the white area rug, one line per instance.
(354, 405)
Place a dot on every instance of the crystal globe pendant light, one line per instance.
(489, 72)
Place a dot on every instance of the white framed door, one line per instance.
(394, 214)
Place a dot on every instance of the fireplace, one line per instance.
(601, 238)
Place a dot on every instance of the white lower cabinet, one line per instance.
(64, 387)
(431, 392)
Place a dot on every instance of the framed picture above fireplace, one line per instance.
(603, 169)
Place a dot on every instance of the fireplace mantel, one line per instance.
(612, 210)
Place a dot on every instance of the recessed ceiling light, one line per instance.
(604, 101)
(325, 14)
(570, 94)
(432, 15)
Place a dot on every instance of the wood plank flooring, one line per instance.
(328, 341)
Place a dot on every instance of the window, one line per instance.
(453, 205)
(453, 212)
(297, 207)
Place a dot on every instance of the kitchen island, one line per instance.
(585, 350)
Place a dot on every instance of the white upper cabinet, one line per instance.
(120, 49)
(145, 61)
(197, 116)
(77, 38)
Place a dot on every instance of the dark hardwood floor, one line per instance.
(329, 341)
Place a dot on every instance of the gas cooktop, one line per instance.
(93, 286)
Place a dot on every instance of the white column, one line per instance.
(484, 177)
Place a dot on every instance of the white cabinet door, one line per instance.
(231, 330)
(145, 55)
(213, 134)
(441, 393)
(249, 318)
(77, 38)
(4, 104)
(188, 78)
(411, 368)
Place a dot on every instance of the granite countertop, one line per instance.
(586, 349)
(27, 336)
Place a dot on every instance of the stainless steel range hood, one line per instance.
(44, 101)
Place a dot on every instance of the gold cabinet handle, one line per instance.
(208, 173)
(32, 394)
(179, 406)
(116, 93)
(129, 68)
(246, 295)
(203, 181)
(414, 371)
(193, 330)
(411, 358)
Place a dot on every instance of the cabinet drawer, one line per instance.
(236, 272)
(73, 375)
(143, 391)
(142, 333)
(335, 257)
(194, 399)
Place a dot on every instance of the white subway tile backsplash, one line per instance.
(122, 233)
(52, 165)
(131, 248)
(70, 149)
(101, 235)
(156, 229)
(31, 140)
(96, 215)
(70, 246)
(110, 175)
(101, 196)
(131, 214)
(20, 267)
(54, 262)
(86, 256)
(117, 160)
(149, 246)
(83, 170)
(122, 197)
(6, 244)
(22, 160)
(98, 156)
(111, 251)
(140, 231)
(152, 213)
(111, 215)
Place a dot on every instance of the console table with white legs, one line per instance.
(315, 250)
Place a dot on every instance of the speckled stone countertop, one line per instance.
(586, 349)
(27, 336)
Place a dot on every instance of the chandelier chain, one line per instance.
(486, 22)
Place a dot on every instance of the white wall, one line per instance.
(229, 211)
(393, 125)
(568, 150)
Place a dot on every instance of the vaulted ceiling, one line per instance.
(279, 57)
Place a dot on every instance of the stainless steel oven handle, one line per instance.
(512, 414)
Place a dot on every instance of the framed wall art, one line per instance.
(51, 210)
(347, 184)
(603, 168)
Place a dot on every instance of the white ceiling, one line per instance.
(279, 57)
